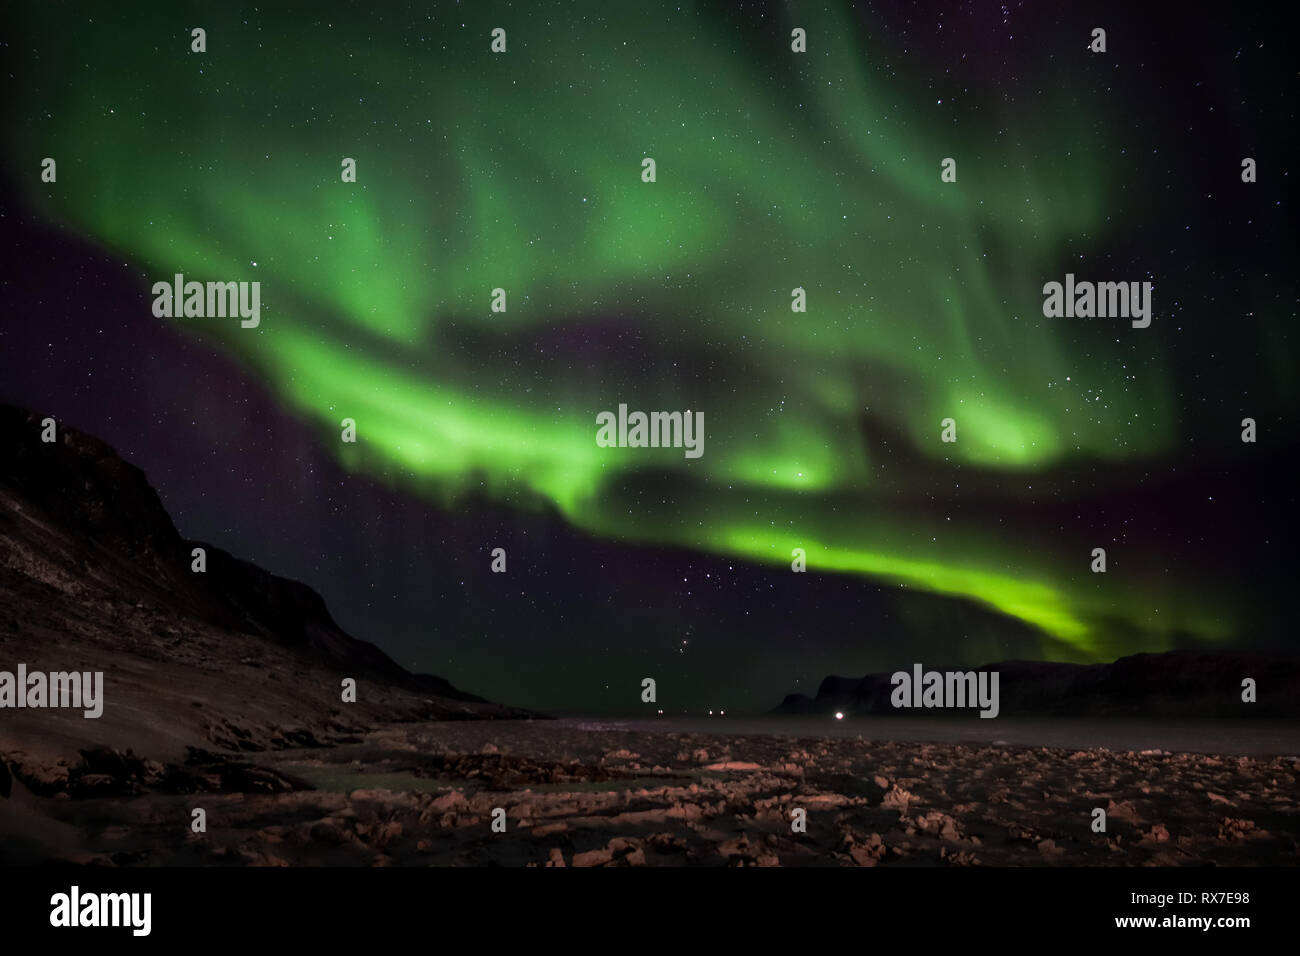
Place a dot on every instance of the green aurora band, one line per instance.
(522, 171)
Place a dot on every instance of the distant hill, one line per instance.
(1179, 683)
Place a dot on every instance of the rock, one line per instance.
(385, 833)
(897, 798)
(869, 853)
(592, 858)
(1050, 851)
(1232, 830)
(685, 811)
(1123, 810)
(448, 801)
(1157, 834)
(734, 765)
(940, 824)
(328, 831)
(272, 835)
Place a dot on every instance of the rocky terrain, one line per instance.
(199, 668)
(582, 794)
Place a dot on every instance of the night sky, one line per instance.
(774, 171)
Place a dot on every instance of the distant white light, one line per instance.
(722, 713)
(839, 715)
(710, 713)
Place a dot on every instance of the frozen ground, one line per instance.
(593, 792)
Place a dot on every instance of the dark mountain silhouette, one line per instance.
(95, 577)
(82, 484)
(1182, 683)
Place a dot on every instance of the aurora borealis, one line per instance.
(775, 171)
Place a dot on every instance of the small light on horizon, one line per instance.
(839, 715)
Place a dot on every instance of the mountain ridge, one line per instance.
(1177, 683)
(95, 577)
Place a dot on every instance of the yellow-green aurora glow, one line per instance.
(522, 171)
